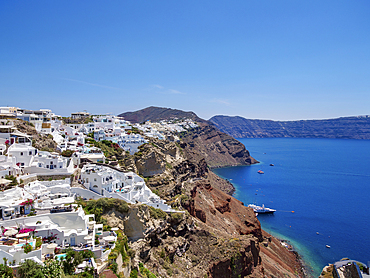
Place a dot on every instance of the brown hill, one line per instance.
(156, 114)
(206, 141)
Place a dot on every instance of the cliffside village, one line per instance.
(45, 210)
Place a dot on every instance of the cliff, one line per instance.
(217, 148)
(217, 236)
(346, 127)
(204, 142)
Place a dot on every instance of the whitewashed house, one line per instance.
(27, 159)
(126, 186)
(14, 202)
(21, 155)
(131, 142)
(73, 228)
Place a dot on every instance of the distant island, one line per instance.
(357, 127)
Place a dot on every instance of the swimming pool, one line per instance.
(31, 242)
(60, 256)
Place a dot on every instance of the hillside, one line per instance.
(217, 236)
(217, 148)
(156, 114)
(346, 127)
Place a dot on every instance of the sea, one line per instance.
(320, 189)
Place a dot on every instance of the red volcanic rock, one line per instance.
(221, 211)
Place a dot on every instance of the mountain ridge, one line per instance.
(354, 127)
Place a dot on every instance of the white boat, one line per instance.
(263, 209)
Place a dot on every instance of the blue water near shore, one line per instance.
(326, 182)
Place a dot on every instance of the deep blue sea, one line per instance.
(326, 182)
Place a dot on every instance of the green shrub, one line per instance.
(67, 153)
(114, 267)
(134, 273)
(177, 216)
(30, 269)
(38, 242)
(157, 213)
(6, 271)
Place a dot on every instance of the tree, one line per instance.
(30, 269)
(6, 271)
(67, 153)
(52, 269)
(71, 260)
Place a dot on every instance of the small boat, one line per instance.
(260, 172)
(327, 246)
(259, 209)
(272, 164)
(317, 233)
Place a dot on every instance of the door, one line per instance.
(73, 241)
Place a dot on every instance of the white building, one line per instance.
(44, 120)
(21, 155)
(63, 228)
(14, 203)
(126, 186)
(131, 142)
(27, 159)
(8, 112)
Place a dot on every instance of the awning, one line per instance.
(22, 235)
(109, 238)
(10, 232)
(52, 246)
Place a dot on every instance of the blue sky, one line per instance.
(280, 60)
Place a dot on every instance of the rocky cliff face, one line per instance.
(217, 148)
(180, 245)
(217, 236)
(347, 127)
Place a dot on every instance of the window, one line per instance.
(21, 153)
(94, 179)
(30, 153)
(47, 166)
(51, 162)
(95, 185)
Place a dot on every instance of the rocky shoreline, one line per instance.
(302, 265)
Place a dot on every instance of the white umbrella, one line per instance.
(22, 235)
(114, 229)
(109, 238)
(52, 246)
(10, 232)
